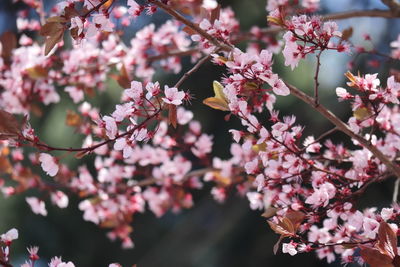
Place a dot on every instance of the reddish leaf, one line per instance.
(70, 12)
(396, 261)
(54, 32)
(123, 78)
(73, 119)
(387, 240)
(80, 154)
(37, 72)
(347, 33)
(374, 258)
(284, 227)
(5, 165)
(50, 28)
(52, 41)
(9, 42)
(10, 127)
(269, 212)
(172, 117)
(277, 245)
(296, 218)
(189, 30)
(215, 14)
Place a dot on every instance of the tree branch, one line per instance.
(94, 147)
(193, 26)
(199, 172)
(340, 125)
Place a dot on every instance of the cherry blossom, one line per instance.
(37, 205)
(48, 164)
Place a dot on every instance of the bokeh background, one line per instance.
(210, 234)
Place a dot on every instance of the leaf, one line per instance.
(53, 31)
(70, 12)
(9, 42)
(374, 258)
(72, 119)
(52, 41)
(189, 30)
(123, 78)
(37, 72)
(219, 101)
(387, 240)
(362, 113)
(215, 13)
(5, 165)
(347, 33)
(283, 228)
(277, 245)
(274, 20)
(107, 5)
(10, 127)
(396, 261)
(81, 154)
(50, 28)
(296, 218)
(172, 116)
(222, 180)
(57, 19)
(351, 78)
(269, 212)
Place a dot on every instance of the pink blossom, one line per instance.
(8, 237)
(370, 227)
(60, 199)
(48, 164)
(37, 205)
(173, 96)
(256, 200)
(111, 127)
(134, 8)
(57, 262)
(289, 248)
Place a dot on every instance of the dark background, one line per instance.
(210, 234)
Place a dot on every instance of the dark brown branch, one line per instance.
(177, 53)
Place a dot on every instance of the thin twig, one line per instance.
(178, 53)
(322, 136)
(94, 147)
(199, 172)
(192, 70)
(316, 82)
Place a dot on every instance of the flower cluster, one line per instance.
(8, 238)
(150, 154)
